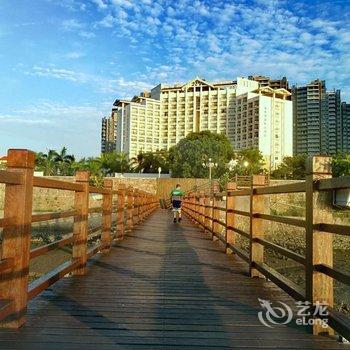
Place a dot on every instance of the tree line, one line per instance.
(190, 157)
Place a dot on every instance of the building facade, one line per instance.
(333, 131)
(263, 120)
(309, 118)
(272, 83)
(108, 133)
(250, 115)
(345, 112)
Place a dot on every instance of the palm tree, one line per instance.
(64, 161)
(46, 162)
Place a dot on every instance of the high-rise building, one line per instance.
(264, 120)
(309, 118)
(250, 116)
(345, 112)
(108, 133)
(272, 83)
(333, 131)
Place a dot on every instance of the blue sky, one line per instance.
(63, 62)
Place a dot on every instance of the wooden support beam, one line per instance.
(81, 225)
(106, 235)
(319, 245)
(257, 226)
(16, 235)
(230, 216)
(121, 210)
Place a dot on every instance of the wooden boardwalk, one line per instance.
(165, 286)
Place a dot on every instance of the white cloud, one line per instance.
(71, 24)
(100, 4)
(87, 35)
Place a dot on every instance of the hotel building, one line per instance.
(250, 116)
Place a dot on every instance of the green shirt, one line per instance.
(176, 194)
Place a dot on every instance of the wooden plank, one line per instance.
(281, 219)
(2, 222)
(284, 251)
(286, 188)
(95, 210)
(163, 286)
(42, 283)
(257, 226)
(80, 226)
(6, 308)
(94, 230)
(94, 250)
(239, 193)
(6, 264)
(240, 212)
(340, 276)
(52, 216)
(339, 322)
(106, 230)
(99, 190)
(16, 235)
(51, 246)
(333, 228)
(240, 252)
(284, 283)
(230, 216)
(239, 231)
(319, 245)
(332, 183)
(10, 177)
(44, 182)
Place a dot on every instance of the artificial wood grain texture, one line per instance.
(80, 227)
(16, 235)
(165, 286)
(319, 286)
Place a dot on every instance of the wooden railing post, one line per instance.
(216, 215)
(319, 245)
(120, 210)
(207, 211)
(81, 222)
(136, 207)
(230, 215)
(257, 226)
(130, 208)
(201, 208)
(106, 235)
(16, 236)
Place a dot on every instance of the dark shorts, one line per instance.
(176, 204)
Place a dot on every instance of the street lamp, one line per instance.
(246, 164)
(159, 171)
(210, 165)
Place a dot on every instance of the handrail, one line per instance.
(332, 183)
(131, 204)
(52, 216)
(204, 210)
(10, 177)
(56, 184)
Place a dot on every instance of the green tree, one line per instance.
(114, 162)
(63, 162)
(291, 168)
(341, 165)
(149, 162)
(189, 155)
(46, 162)
(249, 161)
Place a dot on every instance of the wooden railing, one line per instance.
(130, 205)
(204, 208)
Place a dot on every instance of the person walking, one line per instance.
(176, 202)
